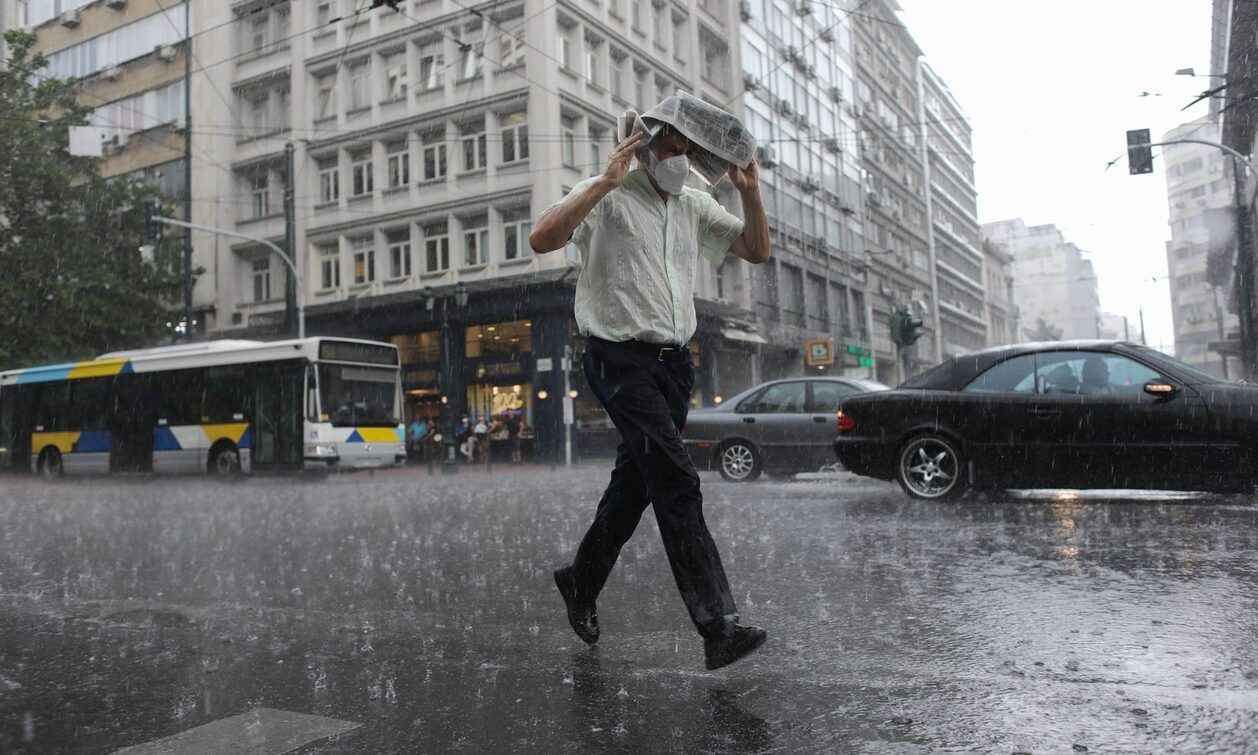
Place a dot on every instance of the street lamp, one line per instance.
(449, 464)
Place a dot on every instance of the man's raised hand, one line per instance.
(619, 159)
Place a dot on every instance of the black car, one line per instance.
(1069, 414)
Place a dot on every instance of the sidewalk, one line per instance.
(497, 468)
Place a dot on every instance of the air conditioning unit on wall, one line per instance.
(116, 4)
(70, 18)
(167, 52)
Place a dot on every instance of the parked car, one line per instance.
(1084, 414)
(782, 426)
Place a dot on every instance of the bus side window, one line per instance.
(53, 412)
(91, 403)
(312, 396)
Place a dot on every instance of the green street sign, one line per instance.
(866, 362)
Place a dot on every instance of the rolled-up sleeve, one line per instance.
(581, 235)
(719, 228)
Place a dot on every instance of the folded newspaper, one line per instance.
(716, 137)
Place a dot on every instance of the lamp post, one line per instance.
(449, 462)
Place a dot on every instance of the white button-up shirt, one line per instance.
(638, 257)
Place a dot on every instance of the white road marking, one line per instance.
(262, 731)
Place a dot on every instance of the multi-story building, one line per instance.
(797, 73)
(1202, 243)
(424, 142)
(130, 57)
(897, 227)
(953, 237)
(1116, 327)
(1002, 313)
(1054, 283)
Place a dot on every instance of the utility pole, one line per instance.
(187, 170)
(1144, 339)
(290, 241)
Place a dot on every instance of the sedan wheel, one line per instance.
(740, 462)
(930, 468)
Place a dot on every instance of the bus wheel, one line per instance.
(224, 460)
(50, 464)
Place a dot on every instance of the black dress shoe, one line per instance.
(732, 645)
(581, 614)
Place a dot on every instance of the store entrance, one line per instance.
(507, 409)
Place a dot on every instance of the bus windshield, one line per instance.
(353, 395)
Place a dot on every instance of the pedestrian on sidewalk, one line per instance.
(463, 437)
(639, 232)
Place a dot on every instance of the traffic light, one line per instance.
(1139, 152)
(905, 330)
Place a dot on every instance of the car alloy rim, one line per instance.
(737, 461)
(929, 467)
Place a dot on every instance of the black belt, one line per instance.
(659, 351)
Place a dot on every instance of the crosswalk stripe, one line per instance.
(261, 731)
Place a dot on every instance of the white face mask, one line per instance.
(670, 174)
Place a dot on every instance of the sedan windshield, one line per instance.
(358, 395)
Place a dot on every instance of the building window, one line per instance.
(399, 254)
(399, 164)
(515, 235)
(679, 38)
(329, 181)
(259, 197)
(615, 76)
(567, 141)
(511, 49)
(635, 14)
(364, 259)
(434, 161)
(436, 248)
(360, 86)
(499, 338)
(471, 59)
(262, 279)
(657, 25)
(361, 181)
(565, 52)
(596, 158)
(515, 137)
(323, 12)
(259, 112)
(716, 64)
(476, 245)
(474, 151)
(257, 32)
(330, 266)
(395, 76)
(591, 63)
(325, 96)
(430, 67)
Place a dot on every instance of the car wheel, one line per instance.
(931, 468)
(739, 461)
(224, 461)
(51, 465)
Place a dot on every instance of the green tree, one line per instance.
(1044, 332)
(72, 280)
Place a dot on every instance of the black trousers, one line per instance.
(647, 399)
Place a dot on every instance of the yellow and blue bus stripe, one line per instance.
(75, 371)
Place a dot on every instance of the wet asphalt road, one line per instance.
(423, 609)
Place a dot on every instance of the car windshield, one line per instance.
(1192, 375)
(358, 396)
(869, 385)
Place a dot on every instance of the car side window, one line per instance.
(1090, 373)
(1016, 375)
(827, 394)
(780, 398)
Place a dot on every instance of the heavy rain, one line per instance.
(609, 375)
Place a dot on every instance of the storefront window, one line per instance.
(419, 348)
(499, 338)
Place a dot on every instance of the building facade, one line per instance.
(131, 59)
(1202, 243)
(1054, 283)
(423, 143)
(998, 299)
(798, 101)
(953, 236)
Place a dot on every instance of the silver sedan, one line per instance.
(782, 427)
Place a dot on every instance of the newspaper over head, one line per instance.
(717, 138)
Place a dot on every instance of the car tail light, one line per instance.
(846, 422)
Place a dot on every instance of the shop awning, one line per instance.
(742, 335)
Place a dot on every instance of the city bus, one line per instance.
(217, 407)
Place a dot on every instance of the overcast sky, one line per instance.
(1051, 89)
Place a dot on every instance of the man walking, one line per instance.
(639, 233)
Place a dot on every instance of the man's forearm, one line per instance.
(556, 225)
(755, 227)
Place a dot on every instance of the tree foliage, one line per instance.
(1044, 331)
(72, 280)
